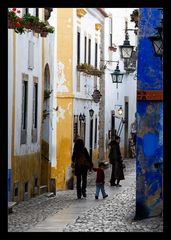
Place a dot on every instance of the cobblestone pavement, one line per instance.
(113, 214)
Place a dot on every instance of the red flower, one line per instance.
(19, 19)
(18, 24)
(18, 11)
(14, 9)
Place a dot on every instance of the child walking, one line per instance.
(100, 180)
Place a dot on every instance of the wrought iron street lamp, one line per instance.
(117, 76)
(157, 44)
(157, 40)
(82, 117)
(126, 49)
(91, 111)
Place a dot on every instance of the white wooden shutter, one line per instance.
(30, 55)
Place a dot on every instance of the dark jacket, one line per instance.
(81, 159)
(114, 154)
(100, 177)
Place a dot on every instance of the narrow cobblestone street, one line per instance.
(64, 213)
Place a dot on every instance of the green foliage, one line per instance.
(135, 17)
(89, 69)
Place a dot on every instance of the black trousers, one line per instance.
(81, 181)
(113, 177)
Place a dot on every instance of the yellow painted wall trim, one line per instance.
(13, 107)
(65, 95)
(81, 12)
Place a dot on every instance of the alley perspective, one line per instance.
(65, 213)
(85, 114)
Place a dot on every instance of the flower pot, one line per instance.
(28, 26)
(11, 25)
(37, 30)
(113, 49)
(44, 34)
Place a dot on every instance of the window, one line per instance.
(26, 187)
(95, 137)
(95, 82)
(35, 109)
(37, 12)
(24, 108)
(30, 55)
(110, 32)
(96, 55)
(75, 127)
(25, 11)
(15, 189)
(89, 51)
(78, 81)
(85, 49)
(78, 47)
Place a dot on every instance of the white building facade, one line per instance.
(123, 95)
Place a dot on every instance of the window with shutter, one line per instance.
(95, 64)
(30, 55)
(85, 49)
(89, 51)
(78, 47)
(78, 81)
(95, 137)
(35, 109)
(24, 109)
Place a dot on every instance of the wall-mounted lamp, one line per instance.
(120, 111)
(117, 76)
(157, 40)
(81, 117)
(91, 111)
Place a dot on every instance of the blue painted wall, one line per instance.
(9, 183)
(149, 149)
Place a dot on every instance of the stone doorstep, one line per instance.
(50, 194)
(10, 206)
(43, 189)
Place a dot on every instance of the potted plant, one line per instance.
(89, 69)
(32, 23)
(12, 18)
(47, 29)
(27, 20)
(19, 26)
(14, 21)
(47, 94)
(135, 17)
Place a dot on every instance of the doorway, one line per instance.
(91, 138)
(45, 128)
(126, 128)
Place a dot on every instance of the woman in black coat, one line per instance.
(82, 162)
(115, 159)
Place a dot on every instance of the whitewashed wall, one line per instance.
(53, 64)
(83, 100)
(115, 96)
(22, 67)
(10, 93)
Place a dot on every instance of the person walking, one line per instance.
(81, 162)
(100, 180)
(115, 159)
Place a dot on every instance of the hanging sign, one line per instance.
(96, 96)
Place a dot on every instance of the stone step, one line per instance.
(43, 189)
(10, 206)
(50, 194)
